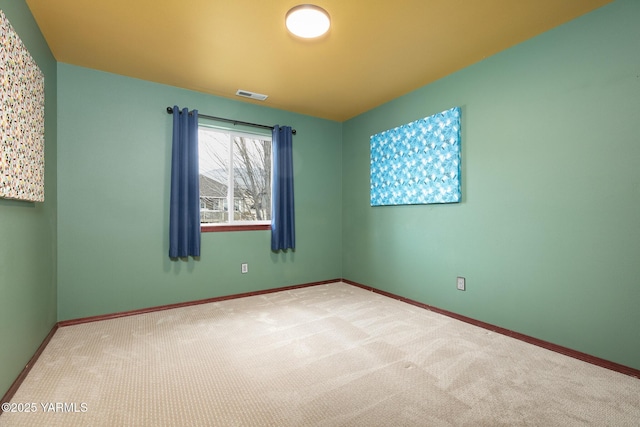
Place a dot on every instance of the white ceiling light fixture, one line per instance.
(307, 21)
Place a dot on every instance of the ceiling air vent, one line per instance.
(252, 95)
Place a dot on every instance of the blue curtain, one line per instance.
(283, 229)
(184, 213)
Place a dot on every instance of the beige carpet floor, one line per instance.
(327, 355)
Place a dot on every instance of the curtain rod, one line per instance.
(235, 122)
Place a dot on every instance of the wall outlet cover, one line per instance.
(461, 283)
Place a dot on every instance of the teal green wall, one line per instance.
(28, 231)
(548, 232)
(114, 168)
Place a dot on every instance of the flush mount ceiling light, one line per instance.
(307, 21)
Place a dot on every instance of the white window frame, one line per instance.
(231, 211)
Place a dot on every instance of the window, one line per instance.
(235, 171)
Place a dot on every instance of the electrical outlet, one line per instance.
(461, 283)
(244, 268)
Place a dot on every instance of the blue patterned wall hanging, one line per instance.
(417, 163)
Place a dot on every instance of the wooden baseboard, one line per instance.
(18, 381)
(187, 304)
(522, 337)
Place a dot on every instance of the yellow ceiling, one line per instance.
(375, 51)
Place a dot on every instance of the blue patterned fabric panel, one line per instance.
(417, 163)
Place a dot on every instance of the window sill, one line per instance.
(220, 228)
